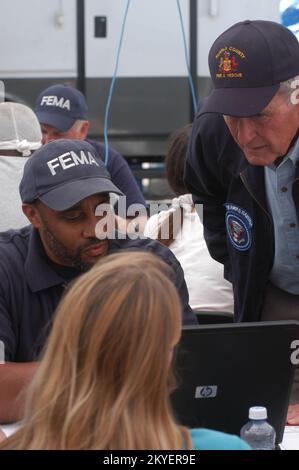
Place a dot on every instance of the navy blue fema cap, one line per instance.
(60, 106)
(248, 62)
(63, 173)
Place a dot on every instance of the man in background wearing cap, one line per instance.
(20, 135)
(62, 188)
(243, 166)
(62, 112)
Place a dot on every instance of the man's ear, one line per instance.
(32, 214)
(84, 130)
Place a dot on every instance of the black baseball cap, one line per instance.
(60, 106)
(63, 173)
(248, 62)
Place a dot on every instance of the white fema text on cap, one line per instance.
(70, 159)
(55, 101)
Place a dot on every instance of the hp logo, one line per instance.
(207, 391)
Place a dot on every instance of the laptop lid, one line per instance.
(223, 370)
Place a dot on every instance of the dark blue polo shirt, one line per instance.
(121, 174)
(30, 289)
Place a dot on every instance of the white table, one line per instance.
(290, 438)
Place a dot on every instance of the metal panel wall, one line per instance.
(38, 38)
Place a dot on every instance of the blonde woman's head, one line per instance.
(104, 379)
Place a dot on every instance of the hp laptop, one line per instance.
(223, 370)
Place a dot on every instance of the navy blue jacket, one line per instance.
(30, 289)
(238, 226)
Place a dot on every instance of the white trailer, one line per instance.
(48, 42)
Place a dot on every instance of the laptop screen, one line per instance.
(223, 370)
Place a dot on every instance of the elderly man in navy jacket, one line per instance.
(243, 166)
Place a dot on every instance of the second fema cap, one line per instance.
(60, 106)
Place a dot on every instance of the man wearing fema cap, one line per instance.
(63, 190)
(243, 166)
(63, 114)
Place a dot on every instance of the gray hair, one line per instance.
(289, 87)
(78, 124)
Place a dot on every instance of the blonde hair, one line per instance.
(103, 382)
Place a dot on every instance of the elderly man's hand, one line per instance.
(293, 415)
(2, 435)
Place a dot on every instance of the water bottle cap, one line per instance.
(258, 412)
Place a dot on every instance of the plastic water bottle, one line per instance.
(258, 433)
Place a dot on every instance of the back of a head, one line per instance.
(175, 159)
(111, 342)
(19, 128)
